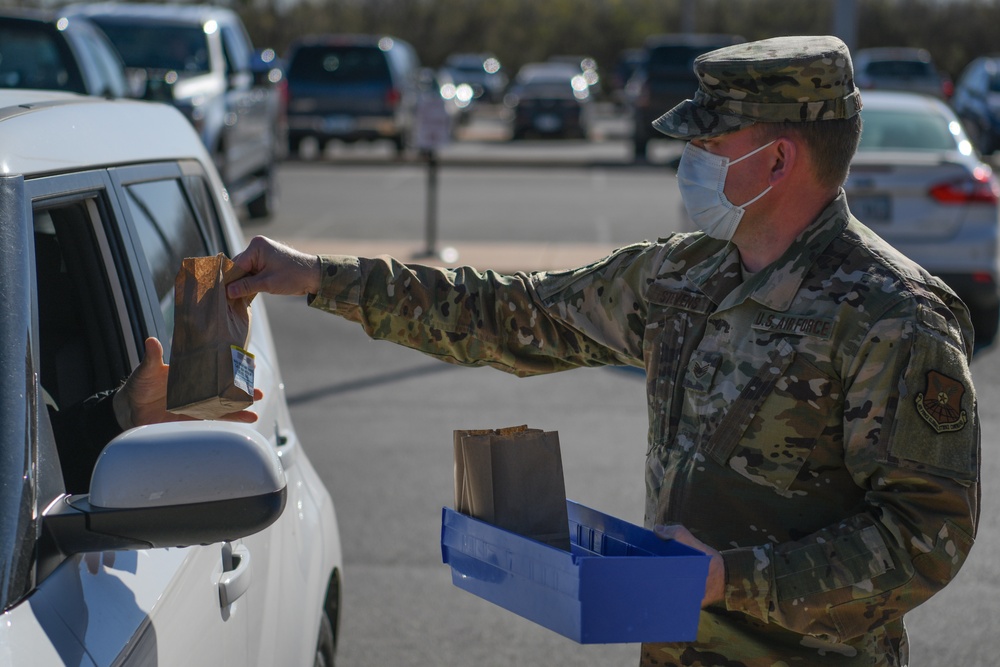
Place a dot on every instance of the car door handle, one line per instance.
(235, 578)
(287, 449)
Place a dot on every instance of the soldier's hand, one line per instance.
(274, 268)
(142, 399)
(715, 585)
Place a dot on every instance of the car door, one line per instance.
(153, 606)
(249, 146)
(171, 213)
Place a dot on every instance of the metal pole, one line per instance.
(432, 190)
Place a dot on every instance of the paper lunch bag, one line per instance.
(513, 479)
(211, 373)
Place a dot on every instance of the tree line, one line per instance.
(520, 31)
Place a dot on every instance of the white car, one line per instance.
(918, 183)
(195, 543)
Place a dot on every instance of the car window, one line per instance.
(168, 232)
(326, 64)
(905, 131)
(181, 49)
(31, 57)
(899, 68)
(111, 76)
(236, 54)
(675, 60)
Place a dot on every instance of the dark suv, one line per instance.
(664, 78)
(41, 50)
(199, 58)
(351, 88)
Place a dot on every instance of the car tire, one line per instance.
(640, 146)
(294, 144)
(263, 206)
(326, 643)
(399, 145)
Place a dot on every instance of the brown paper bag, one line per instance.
(211, 373)
(513, 479)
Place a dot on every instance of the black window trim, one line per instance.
(121, 178)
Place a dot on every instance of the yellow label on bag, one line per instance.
(243, 367)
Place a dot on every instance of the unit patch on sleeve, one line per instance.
(940, 404)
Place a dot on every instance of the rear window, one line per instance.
(338, 64)
(898, 130)
(31, 56)
(675, 61)
(183, 49)
(900, 69)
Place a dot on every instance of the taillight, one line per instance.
(392, 97)
(982, 278)
(982, 188)
(947, 89)
(283, 95)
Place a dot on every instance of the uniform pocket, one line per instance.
(769, 431)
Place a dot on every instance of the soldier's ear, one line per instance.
(784, 155)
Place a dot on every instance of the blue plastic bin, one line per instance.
(620, 583)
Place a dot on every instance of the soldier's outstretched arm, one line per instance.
(274, 268)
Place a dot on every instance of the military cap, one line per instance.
(783, 79)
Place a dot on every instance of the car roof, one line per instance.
(892, 53)
(29, 14)
(693, 39)
(167, 13)
(345, 39)
(44, 131)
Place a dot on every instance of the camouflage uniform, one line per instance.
(815, 422)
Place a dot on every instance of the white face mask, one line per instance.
(702, 179)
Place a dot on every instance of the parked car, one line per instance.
(977, 102)
(42, 50)
(482, 72)
(351, 88)
(900, 68)
(550, 100)
(455, 99)
(917, 181)
(586, 65)
(628, 62)
(193, 543)
(199, 58)
(664, 78)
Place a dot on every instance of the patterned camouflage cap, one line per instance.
(784, 79)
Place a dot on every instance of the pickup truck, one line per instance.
(200, 59)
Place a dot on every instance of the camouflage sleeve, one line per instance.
(470, 318)
(911, 440)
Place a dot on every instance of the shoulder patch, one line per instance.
(940, 404)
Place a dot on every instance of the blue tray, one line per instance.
(620, 583)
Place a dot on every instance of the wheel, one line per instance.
(326, 643)
(399, 144)
(294, 144)
(263, 206)
(640, 144)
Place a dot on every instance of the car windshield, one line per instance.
(30, 58)
(325, 64)
(182, 49)
(905, 130)
(547, 90)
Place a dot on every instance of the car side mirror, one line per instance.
(169, 485)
